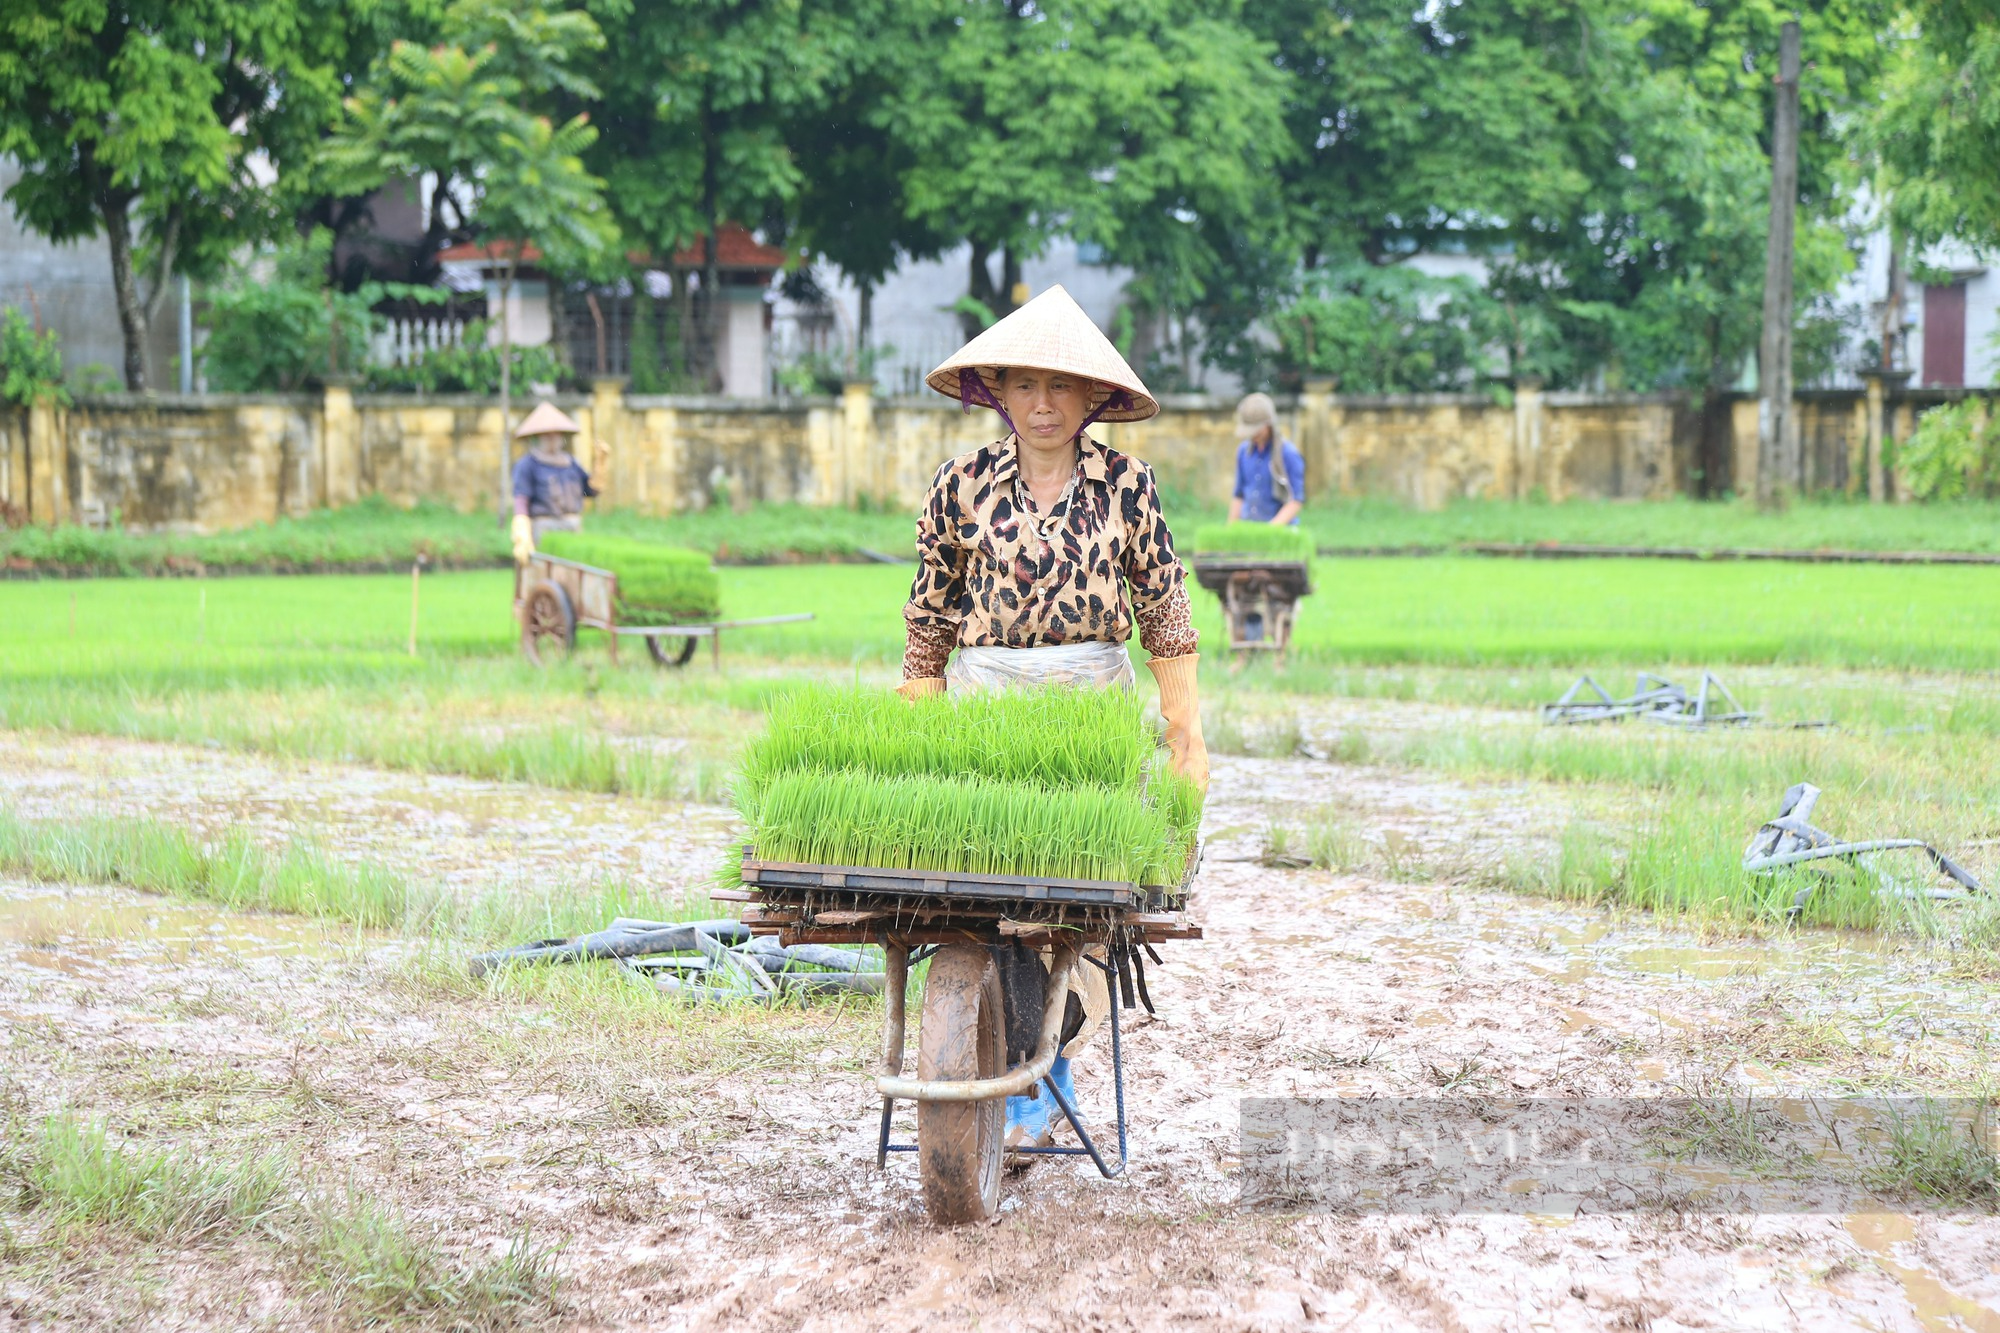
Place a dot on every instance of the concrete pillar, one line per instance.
(857, 441)
(1879, 382)
(340, 442)
(608, 464)
(663, 456)
(1528, 425)
(1318, 439)
(1904, 425)
(48, 465)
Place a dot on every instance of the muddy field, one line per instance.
(706, 1170)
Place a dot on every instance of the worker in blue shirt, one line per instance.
(550, 486)
(1270, 470)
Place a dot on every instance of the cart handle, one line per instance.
(1015, 1082)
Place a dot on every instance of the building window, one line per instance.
(1944, 335)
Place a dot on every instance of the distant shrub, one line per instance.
(1954, 453)
(31, 370)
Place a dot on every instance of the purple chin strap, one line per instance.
(972, 390)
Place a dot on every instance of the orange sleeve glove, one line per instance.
(921, 688)
(1180, 708)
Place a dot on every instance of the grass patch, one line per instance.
(375, 534)
(656, 584)
(1814, 523)
(234, 872)
(362, 1257)
(74, 1174)
(1937, 1154)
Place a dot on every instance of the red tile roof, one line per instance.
(738, 249)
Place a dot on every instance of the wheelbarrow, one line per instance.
(1259, 596)
(554, 598)
(957, 922)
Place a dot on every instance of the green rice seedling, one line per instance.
(660, 582)
(81, 1178)
(951, 824)
(1054, 739)
(1247, 539)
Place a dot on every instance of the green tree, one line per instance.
(273, 331)
(139, 119)
(464, 111)
(1147, 126)
(1937, 132)
(698, 108)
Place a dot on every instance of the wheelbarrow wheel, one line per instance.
(963, 1036)
(548, 624)
(656, 644)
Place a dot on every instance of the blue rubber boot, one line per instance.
(1059, 1074)
(1030, 1115)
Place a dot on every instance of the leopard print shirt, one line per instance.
(992, 572)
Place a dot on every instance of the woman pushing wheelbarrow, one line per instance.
(1034, 866)
(1038, 556)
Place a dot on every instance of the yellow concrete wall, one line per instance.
(223, 461)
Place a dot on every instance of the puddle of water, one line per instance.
(73, 930)
(1936, 1306)
(1698, 962)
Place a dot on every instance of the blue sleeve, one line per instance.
(524, 477)
(1237, 494)
(589, 490)
(1295, 471)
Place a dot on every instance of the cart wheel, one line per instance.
(548, 624)
(669, 657)
(963, 1036)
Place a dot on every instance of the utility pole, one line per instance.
(1778, 470)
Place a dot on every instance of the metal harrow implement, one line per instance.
(716, 960)
(1655, 699)
(1790, 841)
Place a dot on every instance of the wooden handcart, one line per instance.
(955, 920)
(554, 598)
(1259, 598)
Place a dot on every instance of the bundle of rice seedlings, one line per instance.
(656, 584)
(1260, 539)
(1067, 784)
(1056, 739)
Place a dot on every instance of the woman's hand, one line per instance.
(921, 688)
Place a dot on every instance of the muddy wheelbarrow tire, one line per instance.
(548, 624)
(963, 1036)
(656, 644)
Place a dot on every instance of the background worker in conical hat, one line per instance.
(1039, 555)
(550, 486)
(1270, 470)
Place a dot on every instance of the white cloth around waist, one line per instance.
(1093, 665)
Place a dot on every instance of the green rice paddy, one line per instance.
(1902, 658)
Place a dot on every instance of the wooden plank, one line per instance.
(732, 895)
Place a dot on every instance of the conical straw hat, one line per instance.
(1050, 332)
(546, 419)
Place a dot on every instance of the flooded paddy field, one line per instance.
(220, 1118)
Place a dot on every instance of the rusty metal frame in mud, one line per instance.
(1013, 1083)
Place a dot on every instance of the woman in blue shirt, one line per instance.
(1270, 471)
(550, 486)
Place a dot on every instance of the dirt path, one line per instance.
(709, 1171)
